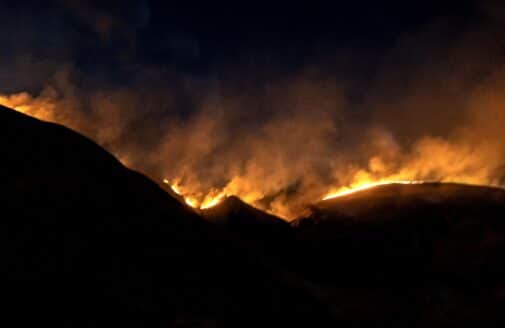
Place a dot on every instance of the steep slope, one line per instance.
(81, 234)
(393, 253)
(264, 232)
(233, 212)
(389, 202)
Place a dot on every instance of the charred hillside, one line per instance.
(396, 252)
(83, 234)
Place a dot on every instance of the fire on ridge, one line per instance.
(344, 191)
(213, 200)
(433, 160)
(208, 202)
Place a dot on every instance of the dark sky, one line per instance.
(127, 39)
(297, 96)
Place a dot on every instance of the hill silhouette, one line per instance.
(264, 233)
(232, 210)
(82, 234)
(397, 252)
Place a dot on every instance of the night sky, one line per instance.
(128, 40)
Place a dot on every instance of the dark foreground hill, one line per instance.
(233, 211)
(427, 255)
(424, 255)
(262, 232)
(83, 235)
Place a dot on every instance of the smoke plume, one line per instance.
(434, 110)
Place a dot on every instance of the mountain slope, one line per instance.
(391, 201)
(263, 232)
(232, 210)
(393, 253)
(83, 234)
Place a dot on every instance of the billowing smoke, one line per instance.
(434, 111)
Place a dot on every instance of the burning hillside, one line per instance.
(269, 173)
(283, 142)
(83, 233)
(331, 163)
(398, 245)
(388, 200)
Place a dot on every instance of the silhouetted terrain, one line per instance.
(82, 234)
(233, 211)
(418, 255)
(246, 220)
(421, 255)
(263, 233)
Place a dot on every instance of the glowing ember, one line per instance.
(364, 186)
(212, 201)
(175, 188)
(24, 103)
(193, 202)
(264, 175)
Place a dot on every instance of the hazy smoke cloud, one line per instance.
(435, 110)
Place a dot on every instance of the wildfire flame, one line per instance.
(364, 185)
(209, 201)
(175, 188)
(212, 201)
(192, 202)
(262, 173)
(16, 102)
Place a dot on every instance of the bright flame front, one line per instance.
(360, 186)
(210, 200)
(263, 180)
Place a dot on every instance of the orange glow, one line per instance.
(191, 202)
(175, 188)
(288, 152)
(360, 186)
(210, 200)
(26, 104)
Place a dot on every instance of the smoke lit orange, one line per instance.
(296, 157)
(209, 201)
(360, 186)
